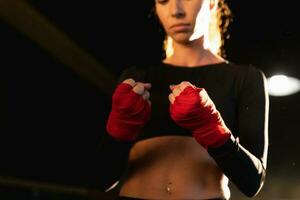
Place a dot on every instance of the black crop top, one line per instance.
(239, 93)
(221, 81)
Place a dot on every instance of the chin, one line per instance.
(182, 38)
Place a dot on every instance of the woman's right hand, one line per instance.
(131, 109)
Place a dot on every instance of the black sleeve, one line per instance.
(114, 158)
(113, 153)
(244, 159)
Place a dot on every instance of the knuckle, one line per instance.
(177, 91)
(138, 89)
(185, 83)
(139, 86)
(129, 81)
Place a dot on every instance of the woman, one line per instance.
(184, 127)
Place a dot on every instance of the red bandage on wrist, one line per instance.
(128, 115)
(194, 110)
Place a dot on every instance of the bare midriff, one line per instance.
(173, 167)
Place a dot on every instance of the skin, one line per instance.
(171, 167)
(177, 167)
(191, 44)
(177, 89)
(172, 12)
(140, 88)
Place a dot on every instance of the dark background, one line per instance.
(52, 117)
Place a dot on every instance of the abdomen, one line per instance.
(173, 167)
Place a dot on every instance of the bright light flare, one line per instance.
(281, 85)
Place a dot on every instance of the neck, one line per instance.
(192, 54)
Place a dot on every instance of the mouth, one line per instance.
(180, 27)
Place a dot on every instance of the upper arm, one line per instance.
(253, 111)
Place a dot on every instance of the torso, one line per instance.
(169, 163)
(173, 167)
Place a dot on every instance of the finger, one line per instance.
(130, 81)
(139, 88)
(176, 91)
(185, 84)
(146, 95)
(171, 98)
(149, 102)
(181, 85)
(147, 86)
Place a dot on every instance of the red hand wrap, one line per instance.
(194, 110)
(128, 114)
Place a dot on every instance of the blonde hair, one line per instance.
(218, 27)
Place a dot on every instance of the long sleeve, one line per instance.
(113, 153)
(244, 159)
(114, 158)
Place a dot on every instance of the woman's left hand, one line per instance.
(191, 108)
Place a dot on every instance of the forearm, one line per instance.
(242, 168)
(130, 111)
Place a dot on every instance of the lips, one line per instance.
(180, 27)
(179, 24)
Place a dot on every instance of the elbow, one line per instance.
(253, 189)
(252, 192)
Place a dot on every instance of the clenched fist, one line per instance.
(191, 108)
(131, 109)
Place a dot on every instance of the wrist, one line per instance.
(122, 130)
(212, 136)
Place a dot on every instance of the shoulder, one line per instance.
(248, 78)
(242, 68)
(245, 72)
(251, 84)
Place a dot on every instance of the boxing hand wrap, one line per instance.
(195, 111)
(128, 115)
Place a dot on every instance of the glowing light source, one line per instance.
(281, 85)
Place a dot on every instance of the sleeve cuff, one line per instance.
(228, 148)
